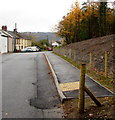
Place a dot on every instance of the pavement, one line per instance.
(68, 78)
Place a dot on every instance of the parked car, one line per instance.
(30, 49)
(50, 49)
(34, 48)
(26, 50)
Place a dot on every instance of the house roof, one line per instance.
(5, 33)
(13, 34)
(24, 36)
(17, 35)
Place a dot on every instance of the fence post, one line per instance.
(106, 64)
(90, 60)
(75, 55)
(92, 96)
(81, 57)
(81, 89)
(70, 52)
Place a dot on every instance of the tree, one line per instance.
(102, 18)
(90, 21)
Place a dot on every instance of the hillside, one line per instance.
(97, 46)
(43, 35)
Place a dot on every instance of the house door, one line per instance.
(4, 45)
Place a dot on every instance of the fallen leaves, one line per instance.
(91, 111)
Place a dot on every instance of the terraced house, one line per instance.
(13, 41)
(23, 41)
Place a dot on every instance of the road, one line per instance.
(28, 89)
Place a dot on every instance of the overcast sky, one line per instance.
(33, 15)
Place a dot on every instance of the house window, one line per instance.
(16, 41)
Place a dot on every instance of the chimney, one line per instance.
(4, 28)
(15, 30)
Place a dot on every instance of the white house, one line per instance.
(3, 43)
(10, 40)
(55, 44)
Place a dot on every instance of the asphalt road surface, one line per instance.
(28, 89)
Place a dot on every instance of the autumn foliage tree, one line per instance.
(90, 21)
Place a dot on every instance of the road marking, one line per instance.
(69, 86)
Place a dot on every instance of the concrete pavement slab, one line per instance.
(69, 86)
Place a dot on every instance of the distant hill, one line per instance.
(44, 35)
